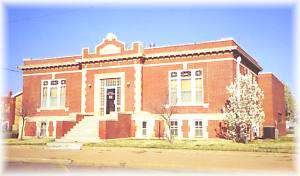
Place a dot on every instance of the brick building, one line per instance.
(9, 104)
(7, 112)
(115, 92)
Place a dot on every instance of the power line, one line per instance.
(12, 70)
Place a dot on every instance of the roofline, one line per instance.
(163, 54)
(16, 94)
(274, 75)
(191, 43)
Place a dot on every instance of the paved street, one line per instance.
(129, 159)
(70, 169)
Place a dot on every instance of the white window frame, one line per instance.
(197, 127)
(49, 86)
(144, 129)
(193, 87)
(174, 128)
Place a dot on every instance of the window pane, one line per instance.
(102, 83)
(144, 132)
(198, 132)
(63, 96)
(173, 92)
(44, 97)
(54, 82)
(200, 124)
(144, 124)
(185, 84)
(174, 132)
(186, 94)
(118, 81)
(198, 129)
(198, 73)
(185, 74)
(173, 74)
(199, 90)
(53, 96)
(118, 96)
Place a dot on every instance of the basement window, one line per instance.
(144, 128)
(174, 128)
(198, 129)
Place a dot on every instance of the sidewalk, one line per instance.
(155, 158)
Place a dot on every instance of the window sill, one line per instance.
(52, 108)
(204, 105)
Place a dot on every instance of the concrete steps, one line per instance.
(86, 131)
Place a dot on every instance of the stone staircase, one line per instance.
(86, 131)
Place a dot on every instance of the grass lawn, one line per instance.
(28, 141)
(283, 145)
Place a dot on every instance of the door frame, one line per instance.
(97, 79)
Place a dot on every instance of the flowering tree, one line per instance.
(166, 111)
(243, 109)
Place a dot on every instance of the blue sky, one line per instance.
(266, 33)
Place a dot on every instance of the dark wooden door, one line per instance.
(110, 100)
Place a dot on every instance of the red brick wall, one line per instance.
(50, 128)
(59, 129)
(30, 129)
(159, 128)
(102, 129)
(32, 94)
(185, 128)
(116, 129)
(217, 76)
(132, 128)
(62, 127)
(67, 126)
(213, 128)
(273, 102)
(79, 117)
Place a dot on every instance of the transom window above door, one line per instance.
(186, 87)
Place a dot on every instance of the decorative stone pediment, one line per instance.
(110, 45)
(110, 49)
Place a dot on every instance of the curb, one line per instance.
(38, 160)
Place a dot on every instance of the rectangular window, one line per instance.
(53, 93)
(53, 96)
(174, 128)
(198, 129)
(63, 95)
(144, 128)
(186, 87)
(44, 96)
(173, 93)
(198, 91)
(186, 92)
